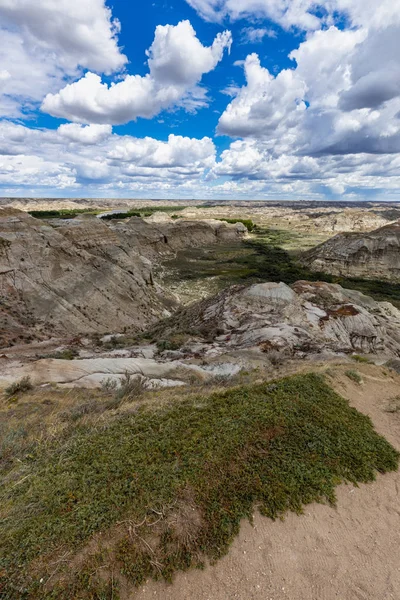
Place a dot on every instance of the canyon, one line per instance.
(80, 276)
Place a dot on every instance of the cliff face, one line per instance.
(165, 238)
(84, 276)
(374, 255)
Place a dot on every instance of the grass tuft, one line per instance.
(169, 487)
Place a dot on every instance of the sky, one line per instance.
(205, 99)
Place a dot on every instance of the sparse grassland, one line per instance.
(108, 501)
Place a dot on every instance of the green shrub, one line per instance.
(248, 223)
(67, 354)
(173, 342)
(361, 359)
(354, 376)
(65, 213)
(19, 387)
(130, 387)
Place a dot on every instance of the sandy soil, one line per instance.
(347, 553)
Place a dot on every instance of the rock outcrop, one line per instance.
(85, 276)
(374, 255)
(93, 372)
(304, 319)
(240, 328)
(319, 218)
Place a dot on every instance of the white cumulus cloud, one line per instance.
(81, 33)
(341, 97)
(172, 80)
(42, 43)
(308, 15)
(80, 156)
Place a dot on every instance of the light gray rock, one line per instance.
(308, 317)
(274, 292)
(92, 372)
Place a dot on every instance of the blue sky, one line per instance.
(136, 39)
(264, 99)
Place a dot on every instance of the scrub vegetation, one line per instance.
(97, 503)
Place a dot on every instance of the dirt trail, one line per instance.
(347, 553)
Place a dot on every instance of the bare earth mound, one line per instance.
(346, 553)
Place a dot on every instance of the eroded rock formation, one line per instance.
(306, 318)
(85, 276)
(374, 255)
(239, 329)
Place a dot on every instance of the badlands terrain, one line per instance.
(172, 369)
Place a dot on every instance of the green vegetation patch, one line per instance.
(146, 211)
(178, 480)
(262, 258)
(19, 387)
(71, 213)
(354, 376)
(67, 213)
(248, 223)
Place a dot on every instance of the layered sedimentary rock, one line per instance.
(240, 328)
(85, 276)
(306, 318)
(317, 219)
(163, 238)
(374, 255)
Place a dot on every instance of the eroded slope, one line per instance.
(83, 276)
(374, 255)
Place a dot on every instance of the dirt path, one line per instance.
(347, 553)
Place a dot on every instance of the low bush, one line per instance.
(354, 376)
(393, 406)
(67, 354)
(173, 342)
(19, 387)
(275, 357)
(248, 223)
(361, 359)
(130, 387)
